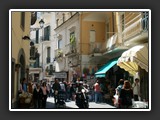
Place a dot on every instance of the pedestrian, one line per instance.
(37, 96)
(45, 93)
(97, 90)
(24, 85)
(119, 87)
(117, 93)
(126, 95)
(56, 87)
(73, 91)
(136, 89)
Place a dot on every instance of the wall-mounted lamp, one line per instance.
(26, 37)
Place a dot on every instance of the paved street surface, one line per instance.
(71, 104)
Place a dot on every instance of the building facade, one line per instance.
(20, 24)
(43, 39)
(67, 37)
(101, 37)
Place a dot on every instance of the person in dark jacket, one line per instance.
(126, 95)
(56, 87)
(37, 96)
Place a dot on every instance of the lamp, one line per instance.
(26, 37)
(41, 22)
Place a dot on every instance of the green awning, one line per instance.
(102, 71)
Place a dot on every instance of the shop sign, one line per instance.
(60, 75)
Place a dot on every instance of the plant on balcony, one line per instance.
(72, 39)
(60, 53)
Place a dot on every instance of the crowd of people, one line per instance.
(100, 91)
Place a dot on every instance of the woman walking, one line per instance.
(37, 96)
(44, 95)
(126, 95)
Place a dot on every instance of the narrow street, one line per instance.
(71, 104)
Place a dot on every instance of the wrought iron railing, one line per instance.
(48, 59)
(58, 53)
(71, 48)
(95, 47)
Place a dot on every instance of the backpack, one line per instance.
(62, 87)
(128, 98)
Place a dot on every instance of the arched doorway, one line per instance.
(22, 68)
(21, 71)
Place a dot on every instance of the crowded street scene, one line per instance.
(80, 60)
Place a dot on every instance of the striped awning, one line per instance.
(134, 57)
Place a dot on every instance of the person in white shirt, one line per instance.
(136, 89)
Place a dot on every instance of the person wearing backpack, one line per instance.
(126, 95)
(56, 87)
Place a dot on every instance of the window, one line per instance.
(145, 17)
(46, 33)
(48, 55)
(72, 37)
(63, 17)
(59, 44)
(48, 51)
(37, 36)
(92, 36)
(23, 20)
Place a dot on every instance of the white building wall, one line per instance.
(65, 31)
(49, 19)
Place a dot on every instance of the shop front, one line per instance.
(135, 61)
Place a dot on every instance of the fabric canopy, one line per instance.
(134, 57)
(102, 71)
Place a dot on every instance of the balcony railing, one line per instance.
(58, 54)
(134, 26)
(44, 38)
(71, 48)
(48, 60)
(95, 47)
(35, 41)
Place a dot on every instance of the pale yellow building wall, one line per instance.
(99, 27)
(18, 33)
(17, 43)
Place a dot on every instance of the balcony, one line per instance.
(135, 28)
(59, 55)
(48, 60)
(71, 49)
(49, 70)
(44, 38)
(95, 47)
(35, 41)
(111, 42)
